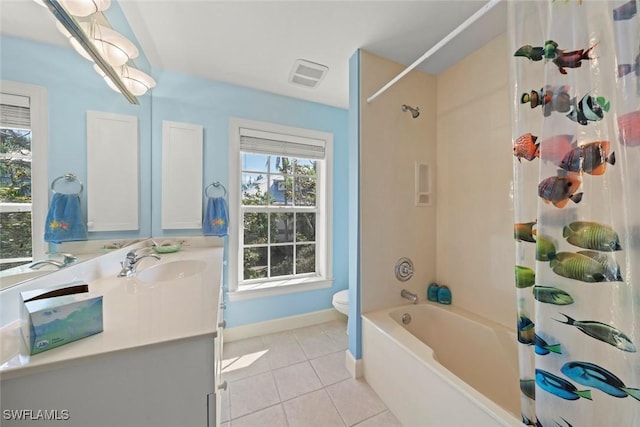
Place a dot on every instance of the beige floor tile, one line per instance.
(295, 380)
(355, 400)
(285, 354)
(244, 358)
(245, 346)
(317, 345)
(245, 365)
(278, 379)
(335, 326)
(278, 338)
(251, 394)
(385, 419)
(331, 368)
(308, 331)
(340, 338)
(314, 409)
(272, 416)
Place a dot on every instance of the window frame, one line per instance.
(38, 111)
(239, 289)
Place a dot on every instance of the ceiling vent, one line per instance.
(307, 73)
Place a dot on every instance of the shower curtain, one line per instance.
(575, 70)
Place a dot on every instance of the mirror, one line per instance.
(35, 53)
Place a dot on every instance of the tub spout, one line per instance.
(409, 295)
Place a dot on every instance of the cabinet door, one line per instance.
(220, 384)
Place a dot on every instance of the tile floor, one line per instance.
(297, 378)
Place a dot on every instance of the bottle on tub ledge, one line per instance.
(432, 292)
(444, 295)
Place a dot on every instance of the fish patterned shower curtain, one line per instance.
(575, 70)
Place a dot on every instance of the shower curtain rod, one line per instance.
(484, 9)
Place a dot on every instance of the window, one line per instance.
(280, 208)
(23, 194)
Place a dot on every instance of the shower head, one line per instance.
(415, 112)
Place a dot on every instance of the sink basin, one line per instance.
(174, 270)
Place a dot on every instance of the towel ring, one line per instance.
(67, 177)
(215, 184)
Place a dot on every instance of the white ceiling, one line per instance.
(255, 43)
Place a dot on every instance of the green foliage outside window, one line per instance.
(286, 240)
(15, 187)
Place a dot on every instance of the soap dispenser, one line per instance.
(444, 295)
(432, 292)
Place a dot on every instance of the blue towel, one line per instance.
(64, 219)
(216, 217)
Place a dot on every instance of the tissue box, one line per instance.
(54, 317)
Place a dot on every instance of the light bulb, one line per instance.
(136, 81)
(85, 7)
(112, 46)
(115, 48)
(84, 26)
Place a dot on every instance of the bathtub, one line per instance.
(446, 367)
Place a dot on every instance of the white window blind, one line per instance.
(14, 111)
(262, 142)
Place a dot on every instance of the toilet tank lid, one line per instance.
(341, 297)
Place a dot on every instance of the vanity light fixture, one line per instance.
(135, 80)
(108, 49)
(81, 7)
(116, 49)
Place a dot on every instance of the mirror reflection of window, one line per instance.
(20, 242)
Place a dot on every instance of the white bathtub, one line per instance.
(446, 368)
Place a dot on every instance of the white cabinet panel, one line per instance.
(112, 172)
(181, 175)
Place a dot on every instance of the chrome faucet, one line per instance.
(131, 262)
(68, 259)
(409, 295)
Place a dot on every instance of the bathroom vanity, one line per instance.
(156, 363)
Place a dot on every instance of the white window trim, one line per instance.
(39, 155)
(324, 223)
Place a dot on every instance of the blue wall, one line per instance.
(73, 88)
(183, 98)
(355, 324)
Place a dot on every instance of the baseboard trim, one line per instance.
(282, 324)
(353, 366)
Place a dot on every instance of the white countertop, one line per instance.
(135, 314)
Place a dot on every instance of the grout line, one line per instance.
(281, 402)
(307, 360)
(372, 416)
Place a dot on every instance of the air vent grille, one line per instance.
(306, 73)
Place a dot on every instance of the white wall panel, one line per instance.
(113, 182)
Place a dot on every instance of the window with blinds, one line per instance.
(14, 111)
(282, 206)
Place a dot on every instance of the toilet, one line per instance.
(341, 302)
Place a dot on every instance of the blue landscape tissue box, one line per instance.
(55, 317)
